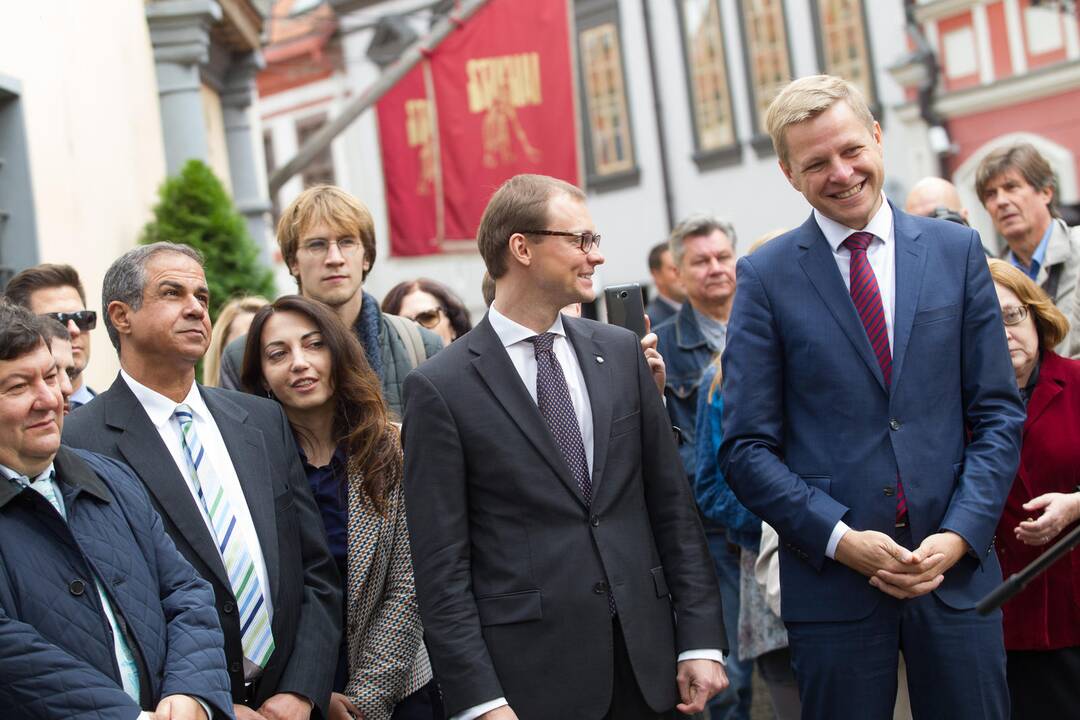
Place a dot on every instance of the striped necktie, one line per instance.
(256, 635)
(866, 295)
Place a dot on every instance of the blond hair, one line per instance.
(212, 359)
(1050, 323)
(805, 99)
(331, 205)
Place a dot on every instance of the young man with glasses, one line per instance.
(560, 565)
(327, 238)
(55, 291)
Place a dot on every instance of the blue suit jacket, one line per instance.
(813, 436)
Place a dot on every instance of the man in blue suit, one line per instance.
(872, 419)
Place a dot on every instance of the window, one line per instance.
(706, 71)
(321, 168)
(609, 147)
(841, 43)
(18, 226)
(768, 60)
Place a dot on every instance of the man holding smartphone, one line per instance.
(560, 566)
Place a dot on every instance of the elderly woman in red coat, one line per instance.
(1042, 623)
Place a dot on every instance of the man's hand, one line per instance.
(698, 681)
(342, 708)
(653, 357)
(1059, 510)
(179, 707)
(503, 712)
(286, 706)
(892, 569)
(243, 712)
(930, 561)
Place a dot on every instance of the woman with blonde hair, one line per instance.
(1042, 623)
(232, 322)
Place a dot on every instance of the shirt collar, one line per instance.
(880, 226)
(510, 332)
(13, 475)
(159, 408)
(83, 395)
(1038, 257)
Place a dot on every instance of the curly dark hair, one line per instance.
(451, 303)
(361, 421)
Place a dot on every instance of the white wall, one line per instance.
(94, 134)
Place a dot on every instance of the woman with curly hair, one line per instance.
(299, 353)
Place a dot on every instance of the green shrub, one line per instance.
(195, 210)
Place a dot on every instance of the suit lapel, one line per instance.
(496, 370)
(143, 450)
(245, 445)
(596, 369)
(818, 263)
(910, 264)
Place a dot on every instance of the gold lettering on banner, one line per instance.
(418, 134)
(497, 86)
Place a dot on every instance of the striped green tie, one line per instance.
(255, 631)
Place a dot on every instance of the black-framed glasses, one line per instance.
(429, 318)
(318, 247)
(83, 319)
(1013, 314)
(586, 240)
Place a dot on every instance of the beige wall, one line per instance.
(89, 98)
(217, 150)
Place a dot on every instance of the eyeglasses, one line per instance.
(319, 246)
(429, 318)
(83, 319)
(1013, 314)
(586, 240)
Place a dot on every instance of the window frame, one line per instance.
(317, 121)
(819, 51)
(588, 15)
(759, 136)
(725, 154)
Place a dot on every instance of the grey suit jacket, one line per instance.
(304, 585)
(513, 568)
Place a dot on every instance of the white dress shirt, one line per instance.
(881, 254)
(160, 410)
(515, 339)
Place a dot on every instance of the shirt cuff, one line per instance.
(205, 707)
(710, 654)
(834, 539)
(477, 710)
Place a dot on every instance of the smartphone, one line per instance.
(625, 307)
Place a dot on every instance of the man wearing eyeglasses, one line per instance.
(560, 565)
(327, 239)
(56, 291)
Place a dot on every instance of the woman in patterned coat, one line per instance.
(299, 353)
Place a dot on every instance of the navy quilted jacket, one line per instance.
(56, 648)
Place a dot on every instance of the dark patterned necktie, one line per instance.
(553, 399)
(866, 296)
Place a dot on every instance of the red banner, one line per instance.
(503, 93)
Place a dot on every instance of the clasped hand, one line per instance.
(894, 569)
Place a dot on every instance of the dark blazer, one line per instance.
(813, 436)
(57, 658)
(1046, 614)
(513, 569)
(304, 585)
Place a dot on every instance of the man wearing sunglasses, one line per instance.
(55, 291)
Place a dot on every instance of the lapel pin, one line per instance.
(599, 359)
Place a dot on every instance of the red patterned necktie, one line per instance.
(866, 296)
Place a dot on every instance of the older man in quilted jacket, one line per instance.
(100, 616)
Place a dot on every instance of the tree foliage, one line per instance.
(194, 209)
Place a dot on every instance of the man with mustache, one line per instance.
(223, 471)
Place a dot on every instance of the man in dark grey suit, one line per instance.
(554, 538)
(223, 471)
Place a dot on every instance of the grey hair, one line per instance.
(697, 226)
(125, 279)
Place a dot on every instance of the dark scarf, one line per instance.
(366, 328)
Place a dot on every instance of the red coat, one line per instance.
(1046, 614)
